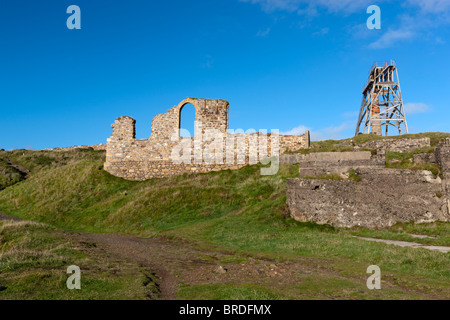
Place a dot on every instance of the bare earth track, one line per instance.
(179, 262)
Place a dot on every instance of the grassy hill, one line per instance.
(238, 210)
(34, 258)
(9, 175)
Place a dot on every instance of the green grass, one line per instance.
(309, 287)
(34, 258)
(394, 160)
(228, 292)
(348, 145)
(258, 230)
(352, 175)
(9, 175)
(35, 161)
(328, 176)
(235, 209)
(326, 146)
(438, 231)
(435, 137)
(405, 160)
(84, 196)
(239, 210)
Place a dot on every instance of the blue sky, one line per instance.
(282, 64)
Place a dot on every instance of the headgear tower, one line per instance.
(382, 103)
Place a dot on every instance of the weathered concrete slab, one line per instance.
(321, 163)
(443, 155)
(326, 157)
(425, 158)
(382, 198)
(338, 156)
(398, 145)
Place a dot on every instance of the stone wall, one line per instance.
(382, 198)
(210, 149)
(319, 163)
(398, 145)
(124, 129)
(425, 158)
(293, 143)
(442, 154)
(209, 114)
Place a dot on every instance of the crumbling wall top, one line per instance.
(124, 128)
(209, 114)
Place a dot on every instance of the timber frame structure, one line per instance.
(382, 103)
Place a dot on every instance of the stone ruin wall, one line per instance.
(209, 114)
(398, 145)
(442, 155)
(381, 146)
(322, 163)
(141, 159)
(381, 198)
(370, 202)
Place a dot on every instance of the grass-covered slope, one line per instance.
(240, 210)
(236, 209)
(36, 161)
(17, 165)
(82, 195)
(34, 259)
(9, 175)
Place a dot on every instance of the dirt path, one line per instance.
(408, 244)
(4, 217)
(177, 262)
(24, 171)
(157, 255)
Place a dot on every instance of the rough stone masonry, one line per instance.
(141, 159)
(322, 163)
(381, 198)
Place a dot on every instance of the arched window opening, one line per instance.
(187, 120)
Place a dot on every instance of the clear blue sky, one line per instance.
(282, 64)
